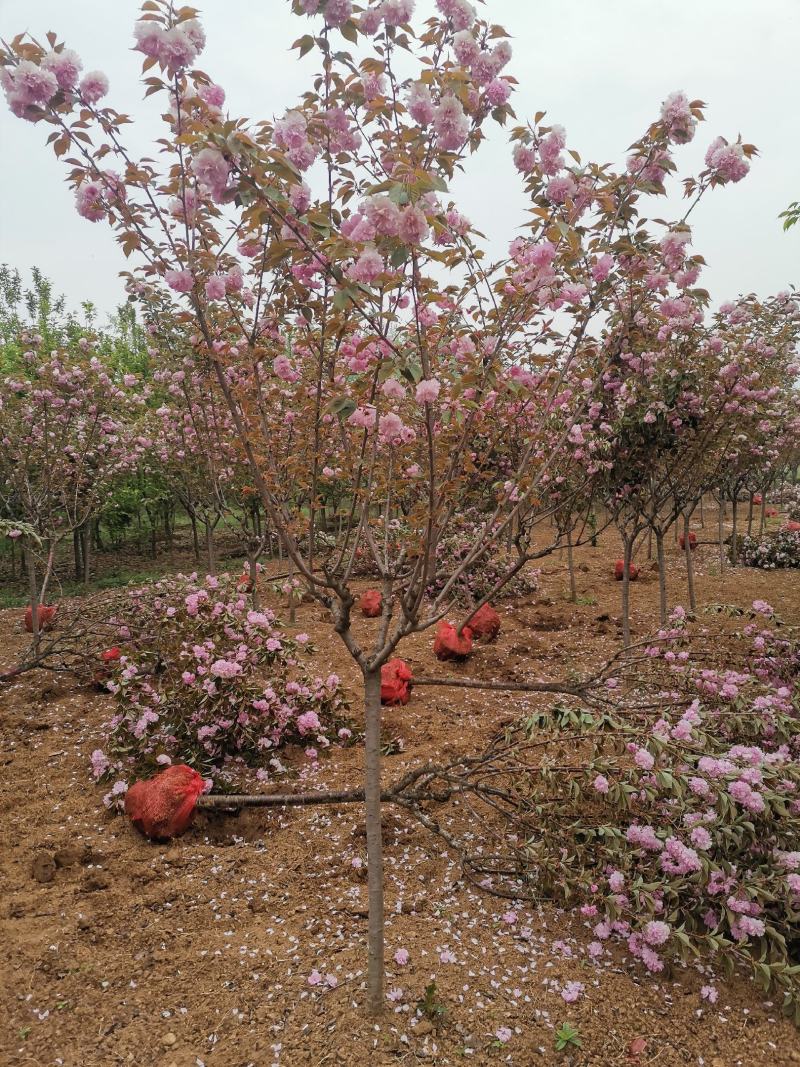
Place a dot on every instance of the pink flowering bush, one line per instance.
(203, 679)
(672, 810)
(773, 550)
(486, 582)
(789, 498)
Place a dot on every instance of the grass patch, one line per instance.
(115, 579)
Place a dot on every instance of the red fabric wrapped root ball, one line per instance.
(163, 806)
(46, 616)
(103, 674)
(396, 681)
(485, 623)
(692, 541)
(619, 571)
(449, 645)
(371, 603)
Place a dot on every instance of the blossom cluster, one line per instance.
(478, 580)
(695, 812)
(205, 680)
(772, 551)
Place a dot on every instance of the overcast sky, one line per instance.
(599, 67)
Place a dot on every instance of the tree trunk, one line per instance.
(662, 576)
(762, 520)
(195, 539)
(573, 592)
(292, 605)
(687, 551)
(212, 565)
(626, 591)
(750, 517)
(169, 524)
(252, 565)
(33, 595)
(372, 810)
(77, 553)
(734, 531)
(86, 546)
(721, 534)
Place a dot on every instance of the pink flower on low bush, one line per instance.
(210, 683)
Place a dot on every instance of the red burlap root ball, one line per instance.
(102, 674)
(162, 807)
(46, 616)
(485, 623)
(449, 645)
(619, 571)
(791, 527)
(771, 513)
(757, 499)
(371, 603)
(396, 682)
(692, 541)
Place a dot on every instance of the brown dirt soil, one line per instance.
(199, 952)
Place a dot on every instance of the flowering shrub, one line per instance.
(478, 582)
(204, 680)
(781, 549)
(790, 500)
(669, 812)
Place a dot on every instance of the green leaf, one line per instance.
(350, 31)
(342, 406)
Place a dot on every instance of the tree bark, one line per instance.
(252, 566)
(86, 545)
(626, 592)
(292, 605)
(195, 539)
(33, 595)
(662, 576)
(76, 550)
(573, 592)
(372, 808)
(687, 551)
(734, 532)
(212, 566)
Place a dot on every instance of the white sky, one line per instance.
(599, 67)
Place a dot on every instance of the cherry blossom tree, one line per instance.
(345, 309)
(67, 431)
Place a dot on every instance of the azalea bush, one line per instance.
(667, 812)
(489, 581)
(771, 551)
(205, 680)
(789, 498)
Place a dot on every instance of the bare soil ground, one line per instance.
(199, 952)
